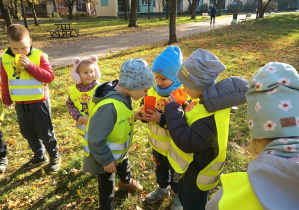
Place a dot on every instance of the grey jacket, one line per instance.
(100, 126)
(274, 181)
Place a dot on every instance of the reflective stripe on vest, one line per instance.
(159, 138)
(238, 193)
(77, 97)
(209, 176)
(81, 128)
(120, 138)
(23, 86)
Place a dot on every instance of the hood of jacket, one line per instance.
(274, 181)
(106, 90)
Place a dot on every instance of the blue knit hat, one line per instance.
(168, 62)
(273, 101)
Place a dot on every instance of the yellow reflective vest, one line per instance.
(22, 86)
(120, 138)
(83, 102)
(237, 193)
(159, 138)
(180, 161)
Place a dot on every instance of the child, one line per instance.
(85, 74)
(271, 180)
(28, 89)
(199, 137)
(165, 67)
(3, 148)
(110, 129)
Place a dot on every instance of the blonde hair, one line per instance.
(84, 62)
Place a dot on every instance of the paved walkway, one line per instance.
(63, 54)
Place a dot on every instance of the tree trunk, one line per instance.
(5, 13)
(167, 9)
(193, 9)
(32, 6)
(24, 14)
(133, 14)
(172, 22)
(70, 7)
(55, 5)
(125, 6)
(16, 11)
(149, 9)
(262, 8)
(160, 16)
(219, 7)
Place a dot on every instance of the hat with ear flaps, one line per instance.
(77, 61)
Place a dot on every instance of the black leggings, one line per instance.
(212, 17)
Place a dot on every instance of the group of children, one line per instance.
(188, 139)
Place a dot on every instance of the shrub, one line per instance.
(235, 8)
(204, 8)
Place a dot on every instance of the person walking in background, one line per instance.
(271, 180)
(213, 15)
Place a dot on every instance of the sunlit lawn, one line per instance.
(243, 49)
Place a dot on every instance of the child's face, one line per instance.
(194, 94)
(86, 72)
(162, 81)
(137, 94)
(20, 47)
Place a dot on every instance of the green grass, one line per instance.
(243, 49)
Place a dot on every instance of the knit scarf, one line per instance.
(286, 148)
(166, 92)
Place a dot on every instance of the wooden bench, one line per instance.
(60, 33)
(247, 17)
(205, 14)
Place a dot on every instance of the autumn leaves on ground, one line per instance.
(243, 49)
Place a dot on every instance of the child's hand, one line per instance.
(171, 98)
(8, 106)
(24, 61)
(138, 115)
(153, 116)
(111, 167)
(83, 120)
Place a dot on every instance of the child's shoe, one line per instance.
(157, 195)
(54, 164)
(134, 186)
(34, 162)
(176, 204)
(3, 164)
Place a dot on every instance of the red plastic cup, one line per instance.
(149, 103)
(180, 95)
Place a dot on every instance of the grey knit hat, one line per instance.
(200, 70)
(135, 74)
(273, 101)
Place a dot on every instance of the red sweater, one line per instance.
(44, 74)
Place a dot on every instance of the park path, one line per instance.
(63, 54)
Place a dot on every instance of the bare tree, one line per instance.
(262, 7)
(124, 4)
(31, 4)
(70, 5)
(133, 14)
(24, 14)
(219, 7)
(193, 5)
(149, 9)
(172, 22)
(5, 13)
(167, 9)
